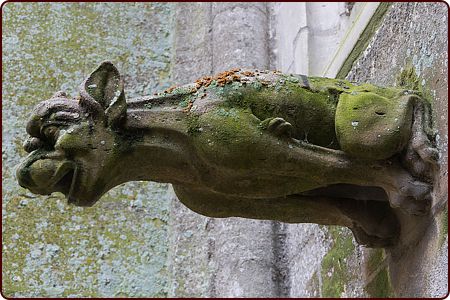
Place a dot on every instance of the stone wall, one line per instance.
(118, 247)
(139, 240)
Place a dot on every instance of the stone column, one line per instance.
(188, 242)
(243, 255)
(221, 257)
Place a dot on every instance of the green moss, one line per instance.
(311, 112)
(193, 124)
(408, 79)
(334, 269)
(380, 286)
(229, 123)
(184, 103)
(372, 125)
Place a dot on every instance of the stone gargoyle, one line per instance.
(245, 143)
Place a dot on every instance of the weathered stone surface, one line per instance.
(192, 42)
(305, 245)
(239, 36)
(195, 255)
(50, 249)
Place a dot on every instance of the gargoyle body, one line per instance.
(252, 144)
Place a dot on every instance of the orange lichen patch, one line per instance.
(228, 77)
(248, 73)
(204, 81)
(221, 78)
(169, 90)
(193, 89)
(224, 74)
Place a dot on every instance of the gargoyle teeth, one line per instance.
(69, 196)
(61, 173)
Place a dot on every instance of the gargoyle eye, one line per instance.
(50, 133)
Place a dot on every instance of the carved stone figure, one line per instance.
(246, 143)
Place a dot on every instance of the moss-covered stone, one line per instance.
(334, 271)
(313, 286)
(312, 111)
(373, 126)
(408, 79)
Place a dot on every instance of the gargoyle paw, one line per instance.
(423, 147)
(278, 126)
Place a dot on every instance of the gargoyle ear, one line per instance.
(102, 93)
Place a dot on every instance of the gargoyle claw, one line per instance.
(422, 145)
(278, 126)
(429, 154)
(414, 199)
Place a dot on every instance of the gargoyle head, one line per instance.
(73, 142)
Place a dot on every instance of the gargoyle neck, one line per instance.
(157, 113)
(156, 143)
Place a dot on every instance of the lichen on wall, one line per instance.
(340, 268)
(119, 246)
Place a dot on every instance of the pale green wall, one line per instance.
(119, 246)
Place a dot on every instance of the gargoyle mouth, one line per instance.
(64, 179)
(46, 175)
(65, 182)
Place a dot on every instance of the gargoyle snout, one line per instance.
(25, 180)
(44, 176)
(23, 177)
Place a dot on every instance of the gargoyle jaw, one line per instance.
(46, 175)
